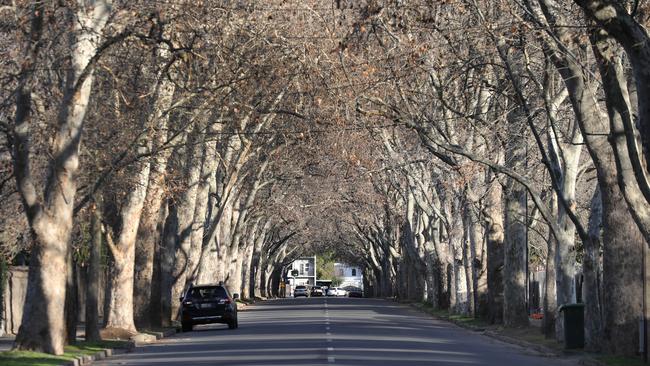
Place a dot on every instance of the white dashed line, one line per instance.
(331, 359)
(327, 328)
(329, 340)
(328, 334)
(330, 349)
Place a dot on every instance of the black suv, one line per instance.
(208, 304)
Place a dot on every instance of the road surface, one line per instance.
(332, 331)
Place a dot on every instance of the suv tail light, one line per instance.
(225, 301)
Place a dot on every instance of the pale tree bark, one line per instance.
(210, 268)
(255, 261)
(185, 216)
(251, 239)
(564, 162)
(150, 228)
(202, 209)
(43, 327)
(120, 308)
(614, 19)
(621, 242)
(550, 283)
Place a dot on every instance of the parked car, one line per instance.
(300, 291)
(336, 291)
(316, 291)
(354, 292)
(207, 304)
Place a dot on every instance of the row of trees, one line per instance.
(438, 144)
(518, 139)
(146, 142)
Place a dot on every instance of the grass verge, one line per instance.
(620, 361)
(28, 358)
(464, 320)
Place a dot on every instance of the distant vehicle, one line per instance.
(207, 304)
(325, 284)
(316, 291)
(336, 291)
(300, 291)
(354, 292)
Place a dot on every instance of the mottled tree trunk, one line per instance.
(622, 272)
(515, 313)
(185, 216)
(120, 309)
(43, 326)
(151, 221)
(201, 211)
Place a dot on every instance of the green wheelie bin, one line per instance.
(574, 325)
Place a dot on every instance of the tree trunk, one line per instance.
(185, 212)
(43, 325)
(495, 255)
(120, 310)
(200, 211)
(514, 304)
(592, 282)
(166, 254)
(71, 300)
(151, 220)
(550, 295)
(92, 273)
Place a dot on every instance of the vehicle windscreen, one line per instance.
(207, 293)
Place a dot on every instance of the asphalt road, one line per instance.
(332, 331)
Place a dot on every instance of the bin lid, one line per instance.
(572, 306)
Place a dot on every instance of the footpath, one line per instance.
(529, 338)
(85, 353)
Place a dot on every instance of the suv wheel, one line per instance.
(186, 327)
(233, 324)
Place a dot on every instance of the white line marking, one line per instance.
(330, 349)
(331, 359)
(327, 328)
(328, 334)
(329, 340)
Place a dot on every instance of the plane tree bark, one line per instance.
(50, 216)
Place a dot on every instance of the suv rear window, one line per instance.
(204, 293)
